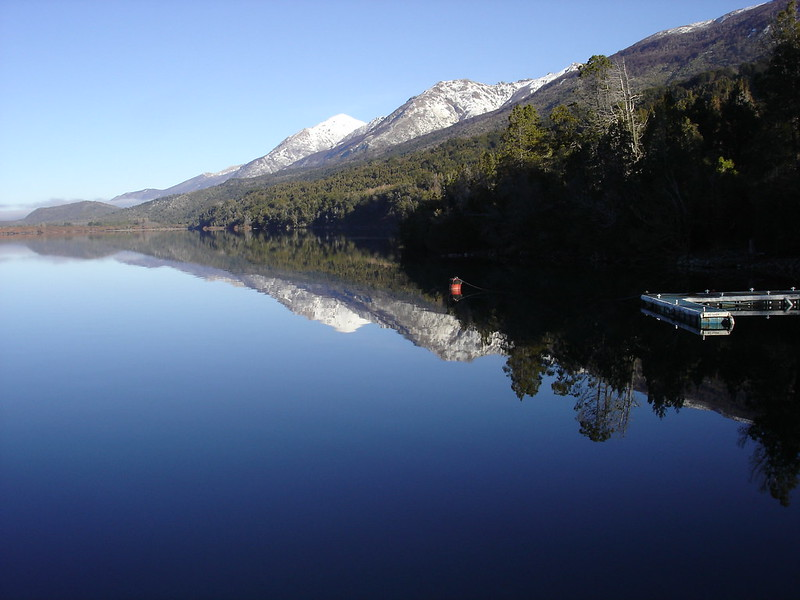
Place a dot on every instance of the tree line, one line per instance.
(375, 195)
(709, 165)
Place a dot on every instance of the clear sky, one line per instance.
(102, 97)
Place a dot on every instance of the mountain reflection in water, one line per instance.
(581, 332)
(174, 435)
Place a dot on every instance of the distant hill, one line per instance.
(77, 213)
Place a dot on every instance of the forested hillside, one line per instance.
(613, 173)
(375, 194)
(707, 165)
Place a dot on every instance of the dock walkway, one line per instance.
(712, 313)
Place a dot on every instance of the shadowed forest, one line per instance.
(710, 166)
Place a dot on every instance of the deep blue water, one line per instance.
(168, 436)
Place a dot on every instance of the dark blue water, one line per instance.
(165, 435)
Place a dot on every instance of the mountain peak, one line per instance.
(310, 140)
(442, 105)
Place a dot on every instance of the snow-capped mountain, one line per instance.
(444, 104)
(699, 25)
(671, 55)
(533, 85)
(323, 136)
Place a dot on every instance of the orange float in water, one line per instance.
(455, 286)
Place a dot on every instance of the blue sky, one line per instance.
(98, 98)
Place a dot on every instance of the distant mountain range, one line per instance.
(323, 136)
(463, 108)
(664, 58)
(342, 136)
(190, 185)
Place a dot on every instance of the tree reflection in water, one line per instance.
(585, 332)
(581, 331)
(602, 410)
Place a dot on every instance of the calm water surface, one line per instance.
(220, 417)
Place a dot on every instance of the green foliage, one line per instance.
(707, 165)
(377, 195)
(726, 166)
(781, 82)
(714, 169)
(597, 67)
(564, 127)
(524, 139)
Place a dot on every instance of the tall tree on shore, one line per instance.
(783, 76)
(524, 140)
(595, 75)
(612, 100)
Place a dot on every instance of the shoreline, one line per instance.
(65, 230)
(722, 261)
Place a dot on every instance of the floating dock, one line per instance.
(712, 313)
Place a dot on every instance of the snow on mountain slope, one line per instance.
(679, 53)
(323, 136)
(533, 85)
(699, 25)
(444, 104)
(440, 106)
(203, 181)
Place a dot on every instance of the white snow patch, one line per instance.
(305, 142)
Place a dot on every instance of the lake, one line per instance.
(191, 415)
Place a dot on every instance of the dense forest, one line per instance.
(709, 165)
(376, 195)
(706, 166)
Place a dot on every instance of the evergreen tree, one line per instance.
(782, 80)
(524, 141)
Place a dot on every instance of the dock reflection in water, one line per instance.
(714, 313)
(199, 438)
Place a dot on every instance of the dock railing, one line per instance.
(712, 313)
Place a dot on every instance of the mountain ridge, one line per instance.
(447, 102)
(440, 106)
(728, 41)
(308, 140)
(198, 182)
(659, 59)
(301, 144)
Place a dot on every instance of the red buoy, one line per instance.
(455, 286)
